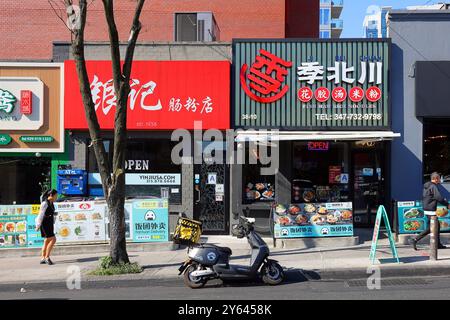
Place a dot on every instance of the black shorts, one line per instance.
(47, 229)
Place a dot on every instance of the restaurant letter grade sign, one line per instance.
(311, 84)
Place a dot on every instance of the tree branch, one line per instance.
(114, 44)
(134, 33)
(86, 94)
(60, 16)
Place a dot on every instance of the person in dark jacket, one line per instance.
(45, 223)
(430, 198)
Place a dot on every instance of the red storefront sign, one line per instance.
(26, 102)
(165, 95)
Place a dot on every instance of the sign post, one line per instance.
(381, 214)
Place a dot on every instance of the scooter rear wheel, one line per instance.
(191, 281)
(272, 273)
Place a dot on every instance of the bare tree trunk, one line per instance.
(113, 179)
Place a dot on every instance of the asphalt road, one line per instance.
(296, 287)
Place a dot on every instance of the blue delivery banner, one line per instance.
(412, 219)
(313, 220)
(150, 220)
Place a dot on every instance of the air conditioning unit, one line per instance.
(207, 29)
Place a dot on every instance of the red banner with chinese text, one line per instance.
(164, 95)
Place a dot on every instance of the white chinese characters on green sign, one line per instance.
(7, 101)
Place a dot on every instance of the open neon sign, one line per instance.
(318, 146)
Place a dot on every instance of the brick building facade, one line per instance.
(30, 26)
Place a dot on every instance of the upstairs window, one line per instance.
(196, 27)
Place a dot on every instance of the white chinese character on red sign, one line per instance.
(305, 94)
(175, 105)
(322, 94)
(191, 104)
(103, 95)
(373, 94)
(356, 94)
(310, 71)
(207, 105)
(339, 94)
(340, 74)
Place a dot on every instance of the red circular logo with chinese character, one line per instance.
(356, 94)
(373, 94)
(339, 94)
(322, 94)
(305, 94)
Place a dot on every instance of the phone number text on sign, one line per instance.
(350, 116)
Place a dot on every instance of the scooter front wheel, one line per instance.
(192, 281)
(272, 273)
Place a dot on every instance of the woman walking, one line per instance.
(45, 222)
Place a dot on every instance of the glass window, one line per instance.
(256, 187)
(145, 156)
(325, 34)
(325, 16)
(24, 179)
(316, 172)
(436, 149)
(186, 27)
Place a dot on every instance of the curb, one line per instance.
(388, 272)
(63, 250)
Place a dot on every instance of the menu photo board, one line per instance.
(412, 218)
(313, 220)
(34, 238)
(260, 191)
(150, 220)
(80, 221)
(13, 226)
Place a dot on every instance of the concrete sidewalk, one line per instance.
(314, 264)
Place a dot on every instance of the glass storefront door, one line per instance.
(368, 181)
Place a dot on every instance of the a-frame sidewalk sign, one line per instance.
(381, 214)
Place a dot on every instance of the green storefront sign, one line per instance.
(311, 85)
(5, 139)
(36, 139)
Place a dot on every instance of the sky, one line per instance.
(355, 10)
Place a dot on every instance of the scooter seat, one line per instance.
(222, 249)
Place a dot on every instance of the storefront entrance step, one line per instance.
(318, 242)
(405, 238)
(87, 249)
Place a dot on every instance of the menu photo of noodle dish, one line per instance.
(313, 220)
(260, 191)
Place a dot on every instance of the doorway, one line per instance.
(368, 167)
(210, 185)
